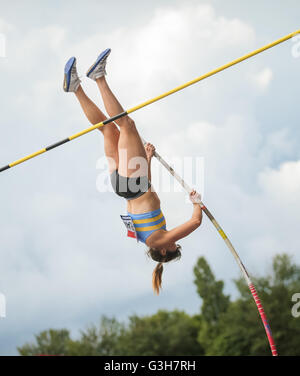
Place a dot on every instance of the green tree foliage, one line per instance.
(223, 327)
(51, 342)
(165, 333)
(214, 302)
(239, 330)
(99, 341)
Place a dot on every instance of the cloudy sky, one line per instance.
(64, 256)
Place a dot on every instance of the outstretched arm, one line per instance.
(188, 227)
(191, 225)
(163, 239)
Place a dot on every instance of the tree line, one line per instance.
(223, 326)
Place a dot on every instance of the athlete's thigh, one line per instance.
(132, 155)
(111, 140)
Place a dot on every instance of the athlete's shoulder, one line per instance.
(157, 239)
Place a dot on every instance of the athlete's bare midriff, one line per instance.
(148, 202)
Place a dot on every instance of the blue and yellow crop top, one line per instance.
(147, 223)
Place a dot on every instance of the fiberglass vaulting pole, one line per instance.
(133, 109)
(250, 284)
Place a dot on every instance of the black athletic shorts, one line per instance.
(129, 188)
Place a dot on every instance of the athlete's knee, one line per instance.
(127, 122)
(130, 121)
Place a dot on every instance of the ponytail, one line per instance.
(157, 278)
(158, 257)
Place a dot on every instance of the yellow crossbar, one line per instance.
(159, 97)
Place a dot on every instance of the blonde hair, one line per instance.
(158, 271)
(157, 278)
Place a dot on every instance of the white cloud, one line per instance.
(263, 79)
(6, 27)
(282, 184)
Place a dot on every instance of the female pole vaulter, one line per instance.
(129, 164)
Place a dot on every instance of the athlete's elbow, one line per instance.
(197, 222)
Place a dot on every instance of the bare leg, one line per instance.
(131, 148)
(110, 131)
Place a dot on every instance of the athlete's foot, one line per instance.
(71, 79)
(97, 70)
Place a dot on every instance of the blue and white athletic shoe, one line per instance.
(71, 79)
(97, 70)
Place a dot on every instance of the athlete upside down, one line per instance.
(125, 151)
